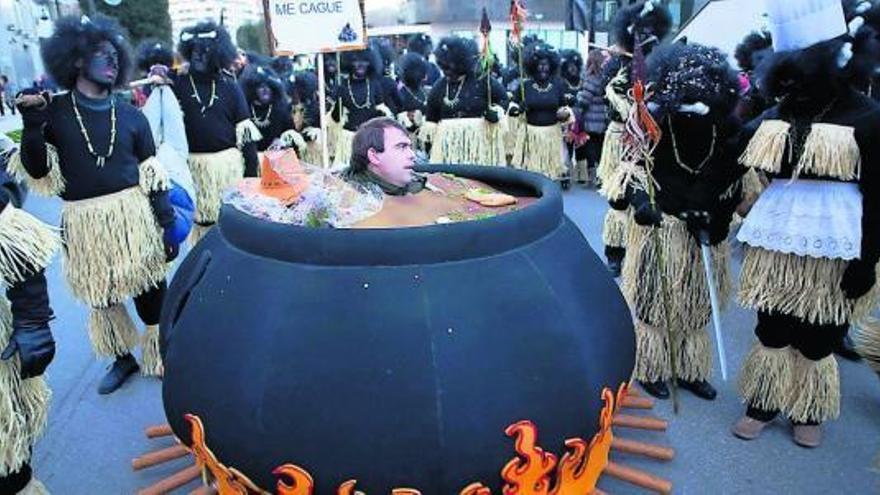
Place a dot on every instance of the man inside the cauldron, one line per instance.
(382, 154)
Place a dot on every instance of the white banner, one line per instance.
(316, 26)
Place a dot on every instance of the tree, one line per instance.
(141, 19)
(252, 37)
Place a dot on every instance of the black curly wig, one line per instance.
(568, 58)
(865, 37)
(75, 40)
(282, 65)
(458, 53)
(690, 73)
(253, 76)
(638, 18)
(535, 53)
(756, 42)
(386, 52)
(153, 52)
(413, 69)
(420, 43)
(224, 53)
(370, 54)
(809, 74)
(304, 87)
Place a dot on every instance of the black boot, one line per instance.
(565, 184)
(700, 388)
(656, 389)
(846, 349)
(122, 368)
(17, 481)
(615, 257)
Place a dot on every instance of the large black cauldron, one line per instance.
(394, 356)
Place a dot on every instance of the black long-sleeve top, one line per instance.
(83, 177)
(359, 97)
(850, 109)
(468, 99)
(712, 187)
(390, 94)
(412, 99)
(214, 130)
(279, 120)
(542, 102)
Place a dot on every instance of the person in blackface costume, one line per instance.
(695, 182)
(98, 155)
(463, 109)
(360, 97)
(27, 245)
(423, 45)
(303, 94)
(269, 108)
(222, 138)
(571, 68)
(641, 24)
(813, 237)
(539, 145)
(413, 97)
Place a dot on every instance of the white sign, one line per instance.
(315, 26)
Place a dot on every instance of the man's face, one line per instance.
(395, 163)
(264, 94)
(102, 67)
(200, 60)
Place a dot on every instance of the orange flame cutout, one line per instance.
(228, 481)
(476, 489)
(347, 488)
(302, 482)
(529, 473)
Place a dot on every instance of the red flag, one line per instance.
(517, 19)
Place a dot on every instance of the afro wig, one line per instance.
(413, 69)
(370, 54)
(571, 57)
(690, 73)
(749, 51)
(153, 52)
(863, 19)
(208, 32)
(813, 72)
(304, 87)
(646, 18)
(540, 51)
(282, 65)
(420, 43)
(386, 52)
(75, 40)
(255, 75)
(457, 54)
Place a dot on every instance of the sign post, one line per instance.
(315, 26)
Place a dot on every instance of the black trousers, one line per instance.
(149, 304)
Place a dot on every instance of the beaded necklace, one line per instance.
(367, 102)
(261, 122)
(692, 171)
(198, 98)
(454, 101)
(100, 160)
(422, 101)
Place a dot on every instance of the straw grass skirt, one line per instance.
(672, 301)
(24, 405)
(471, 141)
(612, 148)
(539, 149)
(342, 155)
(615, 227)
(212, 174)
(114, 251)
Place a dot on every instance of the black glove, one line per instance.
(33, 116)
(171, 251)
(647, 215)
(35, 348)
(858, 278)
(514, 111)
(491, 116)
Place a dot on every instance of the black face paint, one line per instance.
(102, 68)
(542, 72)
(264, 94)
(359, 68)
(200, 60)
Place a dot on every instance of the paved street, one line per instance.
(91, 439)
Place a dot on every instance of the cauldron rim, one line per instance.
(407, 245)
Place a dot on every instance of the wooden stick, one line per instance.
(158, 431)
(641, 448)
(173, 482)
(638, 477)
(159, 456)
(610, 49)
(641, 422)
(637, 402)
